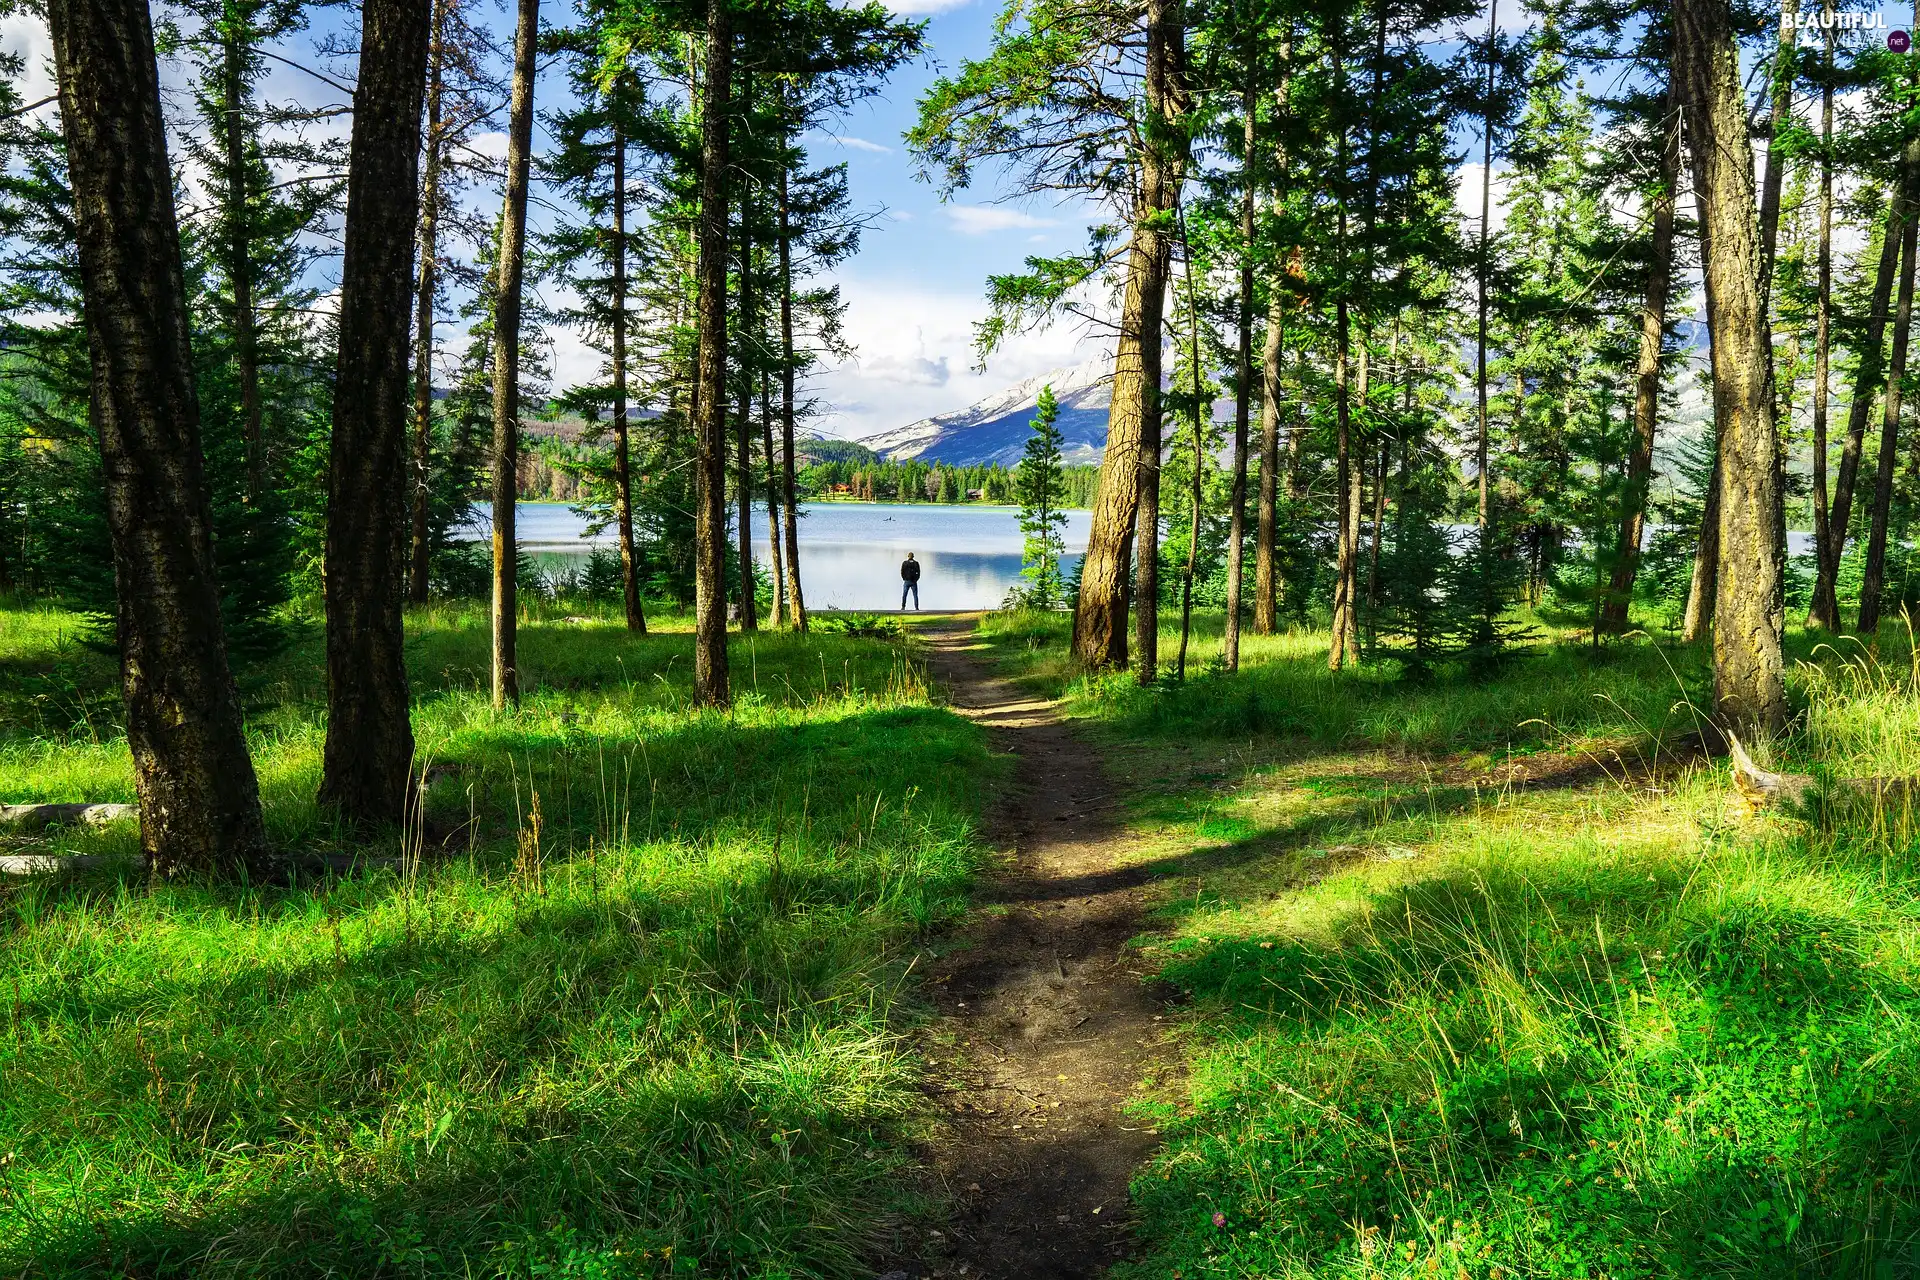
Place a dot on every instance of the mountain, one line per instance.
(996, 429)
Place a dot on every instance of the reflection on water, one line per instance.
(850, 552)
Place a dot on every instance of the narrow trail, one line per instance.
(1048, 1023)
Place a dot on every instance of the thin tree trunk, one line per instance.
(1749, 691)
(778, 569)
(1618, 601)
(1868, 378)
(1781, 75)
(1132, 461)
(790, 514)
(622, 429)
(1873, 580)
(506, 360)
(369, 740)
(1819, 615)
(199, 799)
(246, 345)
(1481, 456)
(1697, 620)
(710, 683)
(1343, 472)
(1266, 578)
(1242, 393)
(423, 310)
(743, 429)
(1199, 463)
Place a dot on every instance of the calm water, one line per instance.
(850, 552)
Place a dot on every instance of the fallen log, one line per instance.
(32, 817)
(1803, 792)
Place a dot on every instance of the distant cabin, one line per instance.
(975, 495)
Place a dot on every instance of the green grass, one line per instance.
(1453, 1005)
(640, 1011)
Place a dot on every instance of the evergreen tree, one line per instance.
(1038, 489)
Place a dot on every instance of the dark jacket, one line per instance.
(909, 571)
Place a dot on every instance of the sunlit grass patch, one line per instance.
(639, 1010)
(1480, 980)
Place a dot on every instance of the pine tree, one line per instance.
(1037, 486)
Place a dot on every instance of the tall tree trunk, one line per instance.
(1868, 378)
(1266, 578)
(777, 570)
(622, 429)
(369, 740)
(199, 800)
(1196, 494)
(1702, 593)
(506, 360)
(1133, 433)
(246, 343)
(423, 308)
(1748, 686)
(1819, 613)
(1242, 393)
(710, 684)
(1481, 456)
(743, 429)
(1781, 74)
(1618, 601)
(1345, 552)
(789, 514)
(1873, 580)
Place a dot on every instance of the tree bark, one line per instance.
(776, 567)
(622, 430)
(423, 308)
(1266, 578)
(1873, 580)
(1242, 396)
(1697, 620)
(1774, 178)
(1481, 455)
(1749, 693)
(796, 603)
(743, 429)
(1618, 601)
(1132, 461)
(710, 684)
(506, 360)
(369, 740)
(246, 343)
(1867, 379)
(1819, 616)
(199, 799)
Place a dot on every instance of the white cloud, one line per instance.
(919, 370)
(26, 35)
(859, 144)
(984, 219)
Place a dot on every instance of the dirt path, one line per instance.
(1051, 1026)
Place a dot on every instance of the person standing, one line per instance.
(910, 582)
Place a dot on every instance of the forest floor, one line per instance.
(1273, 973)
(1047, 1026)
(1490, 979)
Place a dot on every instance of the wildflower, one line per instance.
(1219, 1219)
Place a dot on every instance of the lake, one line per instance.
(850, 552)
